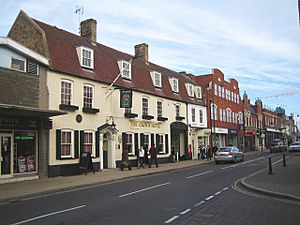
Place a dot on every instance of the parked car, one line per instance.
(278, 146)
(295, 147)
(228, 154)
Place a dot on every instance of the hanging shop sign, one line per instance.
(125, 98)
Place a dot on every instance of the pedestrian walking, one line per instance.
(153, 156)
(208, 153)
(125, 159)
(214, 150)
(146, 157)
(141, 157)
(199, 152)
(202, 153)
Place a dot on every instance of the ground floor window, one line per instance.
(160, 143)
(66, 144)
(25, 151)
(88, 142)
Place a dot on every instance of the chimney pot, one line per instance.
(141, 51)
(88, 29)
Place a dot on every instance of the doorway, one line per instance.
(6, 155)
(105, 150)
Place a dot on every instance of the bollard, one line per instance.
(283, 160)
(270, 166)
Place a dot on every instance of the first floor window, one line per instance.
(88, 142)
(201, 116)
(18, 64)
(145, 104)
(88, 96)
(193, 115)
(159, 109)
(66, 92)
(66, 143)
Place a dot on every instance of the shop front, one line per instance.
(179, 141)
(232, 137)
(23, 143)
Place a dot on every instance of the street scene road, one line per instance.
(204, 194)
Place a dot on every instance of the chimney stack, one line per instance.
(141, 51)
(88, 29)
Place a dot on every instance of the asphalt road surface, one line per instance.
(199, 195)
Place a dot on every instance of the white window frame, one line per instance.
(177, 109)
(159, 107)
(129, 141)
(157, 79)
(19, 59)
(89, 143)
(91, 98)
(66, 143)
(65, 101)
(223, 92)
(201, 118)
(175, 85)
(193, 113)
(214, 111)
(190, 90)
(84, 60)
(221, 114)
(161, 138)
(198, 92)
(145, 106)
(126, 67)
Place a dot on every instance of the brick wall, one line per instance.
(25, 32)
(17, 88)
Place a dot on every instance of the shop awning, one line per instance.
(14, 110)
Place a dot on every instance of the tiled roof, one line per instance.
(63, 57)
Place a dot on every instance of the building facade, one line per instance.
(112, 100)
(24, 116)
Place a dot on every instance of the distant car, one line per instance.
(278, 146)
(228, 154)
(295, 147)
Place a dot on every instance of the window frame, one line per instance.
(91, 144)
(65, 101)
(175, 85)
(193, 114)
(157, 79)
(70, 144)
(145, 106)
(18, 59)
(201, 116)
(198, 91)
(125, 69)
(177, 110)
(159, 107)
(88, 104)
(129, 142)
(161, 145)
(84, 59)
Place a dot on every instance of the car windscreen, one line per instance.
(224, 150)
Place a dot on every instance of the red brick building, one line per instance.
(225, 109)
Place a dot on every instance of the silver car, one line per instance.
(228, 154)
(295, 147)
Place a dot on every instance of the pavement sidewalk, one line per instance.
(284, 181)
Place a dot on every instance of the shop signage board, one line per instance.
(9, 122)
(125, 98)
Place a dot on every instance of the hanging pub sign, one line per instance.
(125, 98)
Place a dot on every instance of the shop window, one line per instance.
(66, 144)
(25, 152)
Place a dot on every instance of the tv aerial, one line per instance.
(79, 11)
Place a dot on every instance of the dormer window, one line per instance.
(190, 89)
(174, 84)
(86, 57)
(125, 69)
(198, 92)
(156, 78)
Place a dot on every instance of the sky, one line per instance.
(256, 42)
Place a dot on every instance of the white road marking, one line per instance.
(227, 167)
(185, 211)
(225, 188)
(209, 198)
(199, 203)
(47, 215)
(217, 193)
(199, 174)
(172, 219)
(144, 189)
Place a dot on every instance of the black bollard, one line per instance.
(270, 166)
(283, 160)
